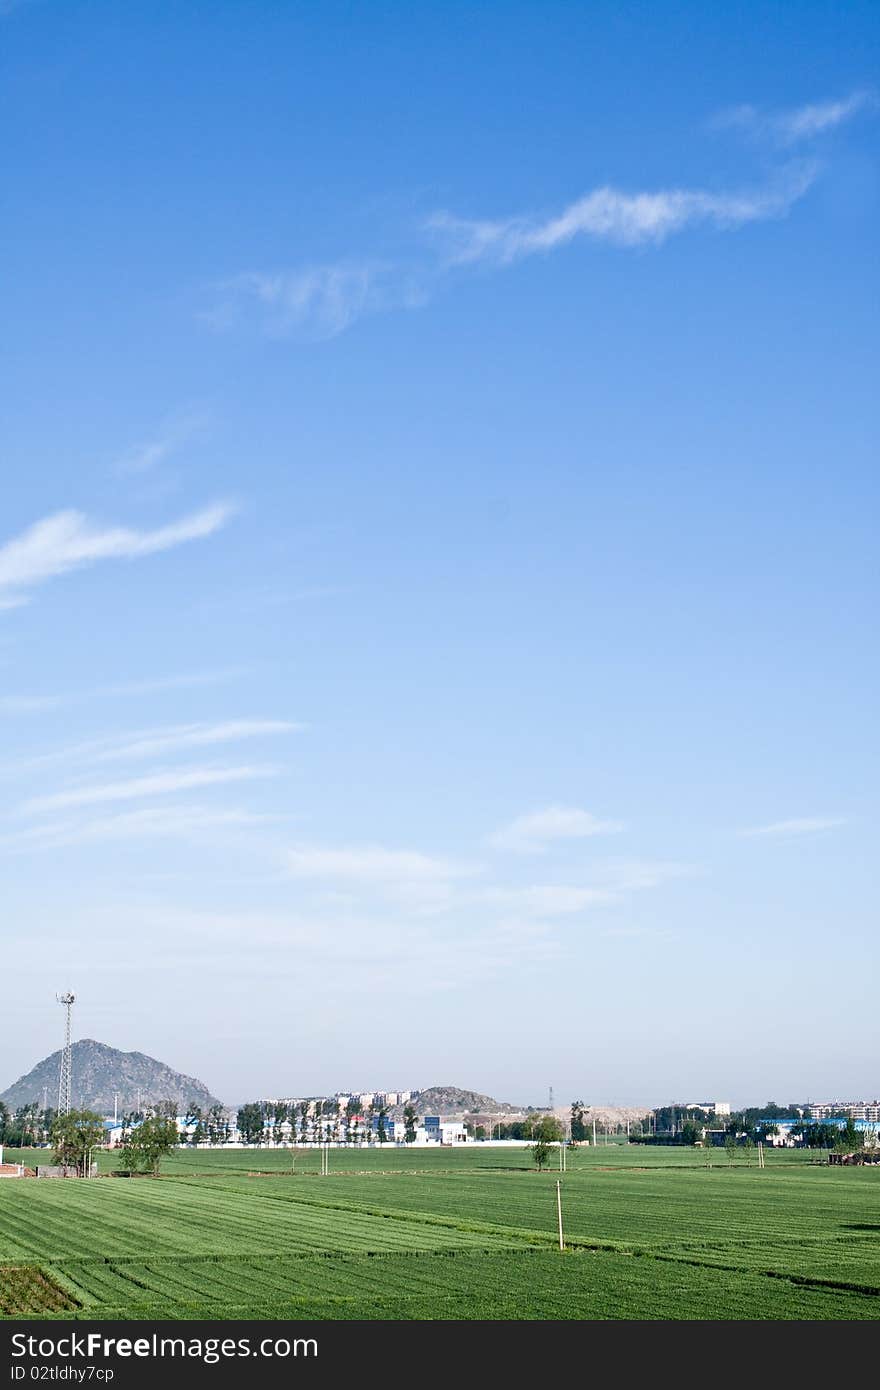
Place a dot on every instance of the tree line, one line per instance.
(27, 1127)
(319, 1121)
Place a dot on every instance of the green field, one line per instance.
(470, 1233)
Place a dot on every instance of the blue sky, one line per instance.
(437, 551)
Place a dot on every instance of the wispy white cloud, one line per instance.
(800, 825)
(67, 541)
(626, 219)
(155, 784)
(150, 743)
(548, 899)
(623, 876)
(361, 952)
(39, 704)
(322, 300)
(149, 453)
(190, 822)
(609, 883)
(797, 124)
(316, 301)
(533, 832)
(371, 864)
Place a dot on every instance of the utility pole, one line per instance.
(559, 1212)
(594, 1131)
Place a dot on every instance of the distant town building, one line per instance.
(434, 1130)
(711, 1107)
(853, 1109)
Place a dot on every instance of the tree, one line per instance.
(193, 1122)
(849, 1139)
(730, 1146)
(818, 1135)
(149, 1143)
(266, 1133)
(578, 1125)
(381, 1132)
(216, 1125)
(409, 1123)
(546, 1128)
(73, 1138)
(541, 1153)
(250, 1122)
(279, 1119)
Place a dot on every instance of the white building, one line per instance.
(711, 1107)
(855, 1109)
(447, 1132)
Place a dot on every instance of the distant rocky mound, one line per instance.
(99, 1072)
(611, 1115)
(452, 1103)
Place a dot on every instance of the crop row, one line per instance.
(50, 1221)
(512, 1284)
(27, 1290)
(816, 1224)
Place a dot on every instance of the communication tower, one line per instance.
(67, 1000)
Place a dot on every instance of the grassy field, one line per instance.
(470, 1233)
(401, 1159)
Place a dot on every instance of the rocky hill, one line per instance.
(611, 1115)
(98, 1072)
(452, 1103)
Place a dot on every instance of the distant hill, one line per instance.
(452, 1102)
(99, 1071)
